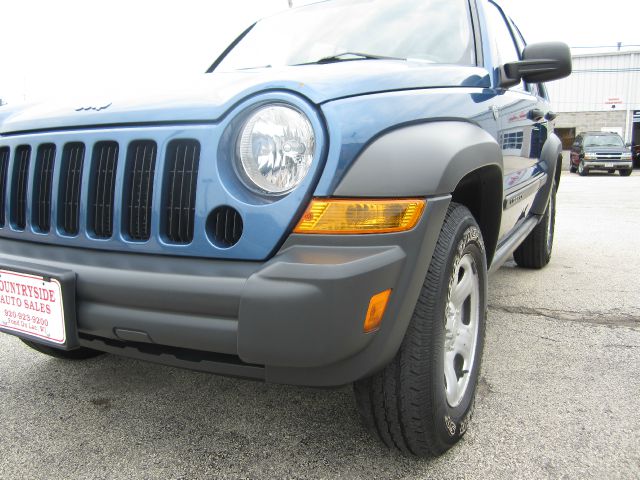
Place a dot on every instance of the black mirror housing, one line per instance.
(541, 62)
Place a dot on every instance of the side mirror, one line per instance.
(628, 145)
(541, 62)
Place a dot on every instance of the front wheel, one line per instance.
(582, 170)
(421, 403)
(625, 173)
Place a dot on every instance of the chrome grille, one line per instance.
(608, 156)
(140, 172)
(42, 185)
(183, 157)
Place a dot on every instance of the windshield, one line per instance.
(603, 141)
(437, 31)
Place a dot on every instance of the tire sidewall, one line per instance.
(452, 422)
(550, 223)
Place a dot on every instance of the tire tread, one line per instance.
(532, 252)
(392, 402)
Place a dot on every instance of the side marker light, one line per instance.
(377, 306)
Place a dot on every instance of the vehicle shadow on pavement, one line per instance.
(127, 418)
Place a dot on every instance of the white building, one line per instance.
(602, 94)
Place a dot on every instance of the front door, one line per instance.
(522, 128)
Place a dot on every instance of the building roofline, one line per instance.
(604, 54)
(595, 132)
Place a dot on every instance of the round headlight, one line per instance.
(275, 149)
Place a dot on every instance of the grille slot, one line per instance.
(609, 156)
(19, 187)
(4, 165)
(181, 174)
(224, 227)
(70, 187)
(103, 175)
(140, 171)
(42, 183)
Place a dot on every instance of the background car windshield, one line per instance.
(603, 141)
(437, 31)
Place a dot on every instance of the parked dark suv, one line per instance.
(323, 207)
(604, 151)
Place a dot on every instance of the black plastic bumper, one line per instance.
(297, 318)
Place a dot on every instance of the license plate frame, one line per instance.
(23, 311)
(609, 165)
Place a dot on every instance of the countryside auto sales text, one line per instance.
(25, 296)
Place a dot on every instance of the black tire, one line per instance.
(625, 172)
(582, 170)
(77, 354)
(535, 251)
(406, 404)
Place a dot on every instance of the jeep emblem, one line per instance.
(95, 109)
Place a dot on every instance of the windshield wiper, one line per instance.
(349, 56)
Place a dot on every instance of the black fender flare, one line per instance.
(551, 153)
(425, 159)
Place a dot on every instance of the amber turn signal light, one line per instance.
(377, 306)
(360, 216)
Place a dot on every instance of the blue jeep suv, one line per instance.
(322, 207)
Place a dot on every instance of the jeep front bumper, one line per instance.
(297, 318)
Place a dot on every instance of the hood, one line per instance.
(208, 97)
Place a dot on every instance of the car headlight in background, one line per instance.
(590, 156)
(275, 149)
(626, 156)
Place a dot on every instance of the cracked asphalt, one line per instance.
(558, 397)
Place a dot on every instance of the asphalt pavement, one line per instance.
(558, 398)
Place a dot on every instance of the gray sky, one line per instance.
(67, 46)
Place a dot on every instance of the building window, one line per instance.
(512, 141)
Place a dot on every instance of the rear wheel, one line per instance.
(421, 403)
(535, 251)
(77, 354)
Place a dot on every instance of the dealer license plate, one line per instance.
(30, 304)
